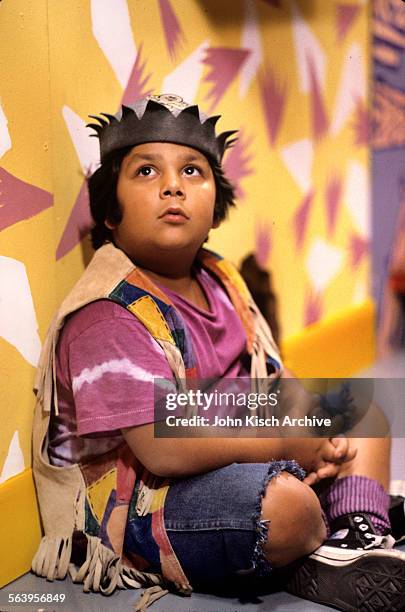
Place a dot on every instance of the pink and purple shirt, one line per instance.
(107, 362)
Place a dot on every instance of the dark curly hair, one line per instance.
(104, 205)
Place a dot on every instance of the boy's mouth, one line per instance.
(174, 214)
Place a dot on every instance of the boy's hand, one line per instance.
(329, 456)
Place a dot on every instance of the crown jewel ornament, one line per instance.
(162, 118)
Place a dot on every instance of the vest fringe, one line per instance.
(184, 589)
(102, 570)
(52, 557)
(148, 597)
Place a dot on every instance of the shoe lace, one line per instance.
(379, 541)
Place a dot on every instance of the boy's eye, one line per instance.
(145, 171)
(192, 171)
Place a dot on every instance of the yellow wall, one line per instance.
(86, 80)
(63, 59)
(27, 264)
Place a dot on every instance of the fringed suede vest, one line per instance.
(81, 505)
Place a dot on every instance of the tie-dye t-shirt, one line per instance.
(107, 361)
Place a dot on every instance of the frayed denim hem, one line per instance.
(260, 562)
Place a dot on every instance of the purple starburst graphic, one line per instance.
(136, 86)
(359, 247)
(237, 163)
(332, 196)
(262, 243)
(273, 95)
(300, 220)
(224, 65)
(80, 221)
(318, 111)
(361, 125)
(345, 16)
(78, 225)
(312, 308)
(173, 32)
(20, 200)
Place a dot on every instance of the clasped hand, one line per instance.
(330, 454)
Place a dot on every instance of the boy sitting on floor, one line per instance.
(131, 509)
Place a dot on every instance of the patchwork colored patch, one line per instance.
(179, 338)
(92, 527)
(135, 561)
(93, 471)
(272, 365)
(158, 315)
(116, 528)
(125, 293)
(138, 537)
(191, 372)
(132, 514)
(145, 310)
(207, 255)
(168, 560)
(103, 534)
(159, 498)
(126, 477)
(99, 492)
(139, 280)
(234, 278)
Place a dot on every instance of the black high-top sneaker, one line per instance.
(397, 517)
(355, 570)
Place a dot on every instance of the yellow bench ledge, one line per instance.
(20, 530)
(338, 346)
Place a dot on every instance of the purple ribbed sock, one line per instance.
(357, 494)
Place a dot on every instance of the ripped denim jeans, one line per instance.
(214, 523)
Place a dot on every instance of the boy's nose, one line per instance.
(172, 185)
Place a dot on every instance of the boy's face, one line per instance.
(167, 197)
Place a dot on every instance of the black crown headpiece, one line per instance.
(164, 118)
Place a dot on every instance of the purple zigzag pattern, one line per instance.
(333, 196)
(301, 218)
(78, 225)
(237, 163)
(136, 86)
(319, 117)
(345, 16)
(262, 243)
(359, 247)
(80, 221)
(20, 200)
(273, 96)
(361, 125)
(224, 65)
(313, 308)
(173, 32)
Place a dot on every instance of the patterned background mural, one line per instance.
(388, 166)
(291, 75)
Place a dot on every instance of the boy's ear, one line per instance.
(216, 223)
(109, 225)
